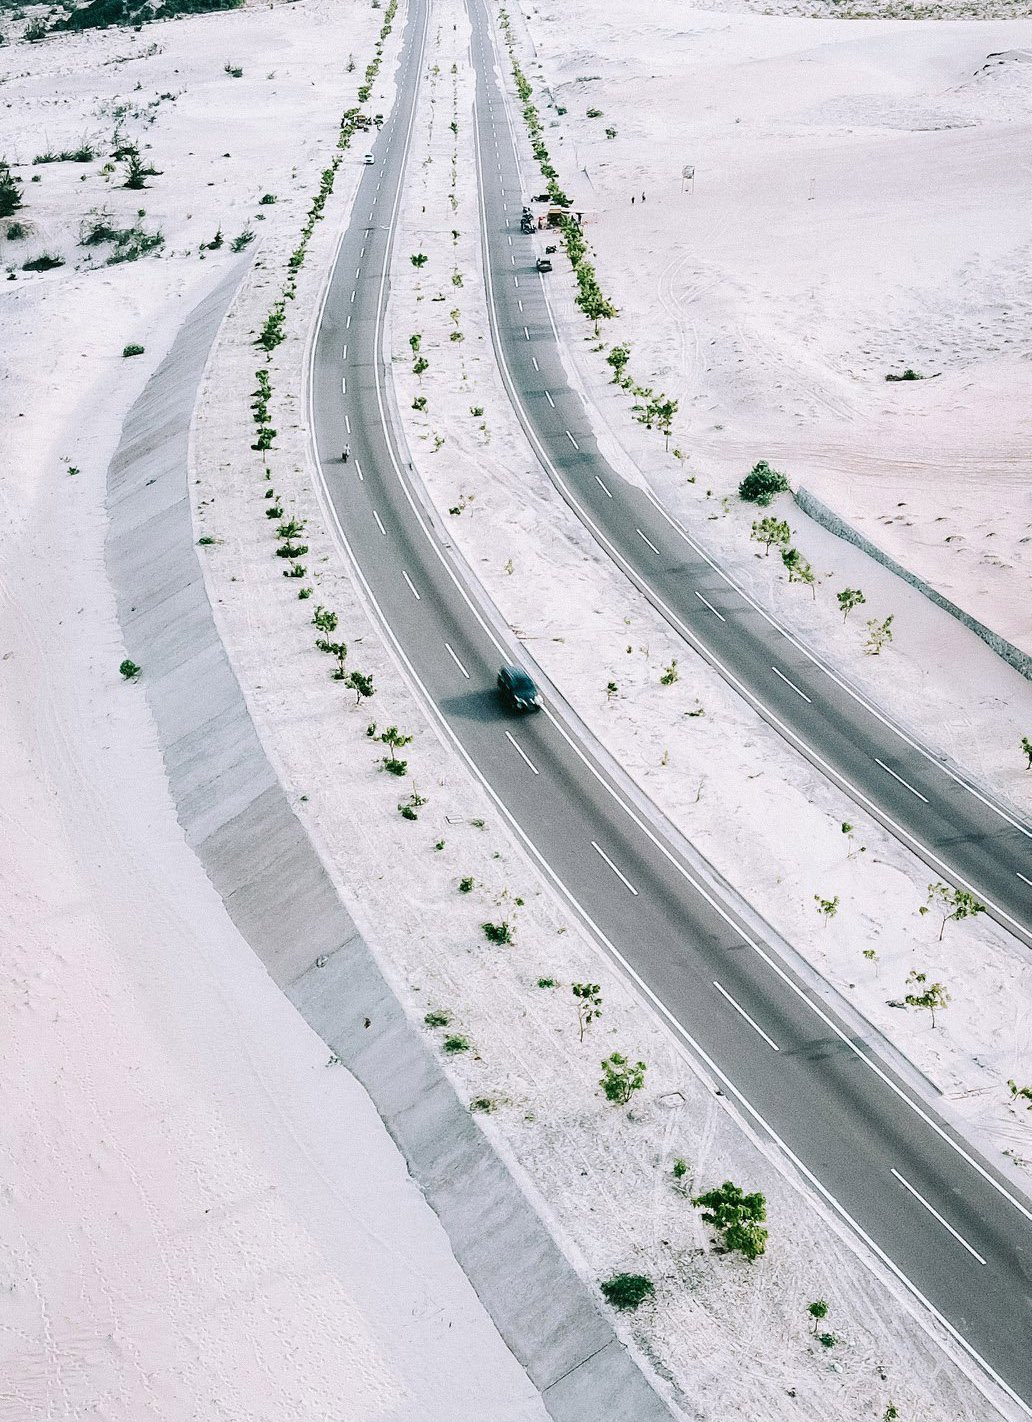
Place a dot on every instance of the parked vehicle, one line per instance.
(368, 159)
(517, 690)
(543, 264)
(526, 224)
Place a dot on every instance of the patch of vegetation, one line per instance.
(45, 262)
(761, 484)
(129, 669)
(627, 1291)
(101, 14)
(455, 1044)
(908, 374)
(131, 350)
(85, 153)
(737, 1218)
(437, 1017)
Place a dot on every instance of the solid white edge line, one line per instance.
(707, 603)
(622, 877)
(934, 1212)
(903, 782)
(742, 1013)
(792, 684)
(679, 1031)
(412, 586)
(520, 751)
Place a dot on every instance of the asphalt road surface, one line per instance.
(939, 1216)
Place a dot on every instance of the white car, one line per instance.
(368, 159)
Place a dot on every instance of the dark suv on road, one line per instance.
(517, 690)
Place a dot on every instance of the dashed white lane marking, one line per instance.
(455, 659)
(742, 1013)
(520, 751)
(347, 423)
(900, 779)
(510, 241)
(347, 325)
(526, 333)
(352, 296)
(622, 877)
(933, 1211)
(516, 280)
(602, 486)
(1022, 877)
(512, 258)
(358, 469)
(343, 385)
(536, 366)
(549, 399)
(344, 353)
(358, 273)
(371, 215)
(519, 303)
(379, 523)
(792, 684)
(570, 437)
(647, 540)
(412, 588)
(706, 603)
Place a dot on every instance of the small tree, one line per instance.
(737, 1218)
(335, 649)
(393, 737)
(419, 259)
(770, 531)
(878, 634)
(611, 690)
(361, 683)
(1026, 748)
(324, 619)
(849, 598)
(933, 996)
(952, 904)
(618, 358)
(799, 570)
(621, 1079)
(419, 365)
(670, 674)
(891, 1413)
(588, 997)
(1023, 1093)
(627, 1291)
(129, 669)
(817, 1310)
(415, 342)
(761, 484)
(498, 933)
(828, 907)
(136, 171)
(10, 192)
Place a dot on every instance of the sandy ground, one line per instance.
(860, 205)
(200, 1217)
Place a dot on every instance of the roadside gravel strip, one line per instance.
(240, 824)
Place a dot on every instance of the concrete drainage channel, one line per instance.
(258, 857)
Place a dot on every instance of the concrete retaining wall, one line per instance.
(820, 513)
(278, 893)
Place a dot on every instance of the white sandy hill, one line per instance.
(860, 205)
(197, 1218)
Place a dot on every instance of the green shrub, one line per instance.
(761, 484)
(627, 1291)
(16, 231)
(131, 350)
(45, 262)
(455, 1044)
(437, 1017)
(129, 669)
(499, 933)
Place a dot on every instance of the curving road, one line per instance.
(960, 833)
(938, 1215)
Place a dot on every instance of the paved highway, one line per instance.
(960, 833)
(938, 1215)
